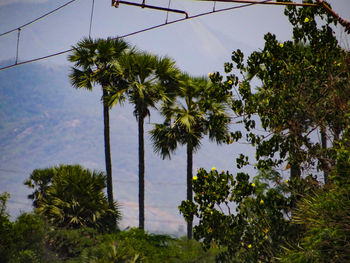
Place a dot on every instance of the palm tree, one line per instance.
(196, 112)
(93, 60)
(150, 79)
(73, 197)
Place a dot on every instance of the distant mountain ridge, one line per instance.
(45, 122)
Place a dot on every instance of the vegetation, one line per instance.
(297, 91)
(303, 91)
(31, 239)
(72, 197)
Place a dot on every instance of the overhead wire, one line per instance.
(270, 2)
(137, 32)
(38, 18)
(156, 220)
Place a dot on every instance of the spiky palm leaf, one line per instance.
(74, 198)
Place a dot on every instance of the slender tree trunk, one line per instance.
(294, 174)
(189, 186)
(141, 174)
(324, 148)
(294, 171)
(108, 152)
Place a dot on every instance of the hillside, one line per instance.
(45, 122)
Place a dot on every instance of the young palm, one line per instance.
(150, 79)
(72, 197)
(195, 113)
(93, 60)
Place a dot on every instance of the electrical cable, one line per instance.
(150, 183)
(12, 171)
(267, 2)
(36, 19)
(135, 32)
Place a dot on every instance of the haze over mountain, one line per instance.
(45, 122)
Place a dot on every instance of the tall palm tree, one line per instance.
(196, 112)
(150, 79)
(93, 60)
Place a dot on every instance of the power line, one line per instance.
(36, 19)
(12, 171)
(150, 183)
(129, 203)
(266, 2)
(135, 32)
(155, 220)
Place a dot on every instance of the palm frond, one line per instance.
(164, 140)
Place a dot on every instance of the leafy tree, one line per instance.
(93, 60)
(149, 80)
(296, 77)
(198, 110)
(72, 197)
(250, 220)
(303, 89)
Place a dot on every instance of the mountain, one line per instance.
(45, 122)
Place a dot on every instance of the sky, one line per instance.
(199, 46)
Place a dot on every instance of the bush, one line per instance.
(325, 216)
(25, 256)
(69, 196)
(6, 226)
(69, 243)
(138, 246)
(28, 234)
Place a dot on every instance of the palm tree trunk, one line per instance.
(294, 171)
(141, 174)
(108, 152)
(189, 186)
(294, 174)
(324, 148)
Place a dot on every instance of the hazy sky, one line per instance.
(199, 45)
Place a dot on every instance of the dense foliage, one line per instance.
(297, 91)
(21, 241)
(72, 197)
(31, 240)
